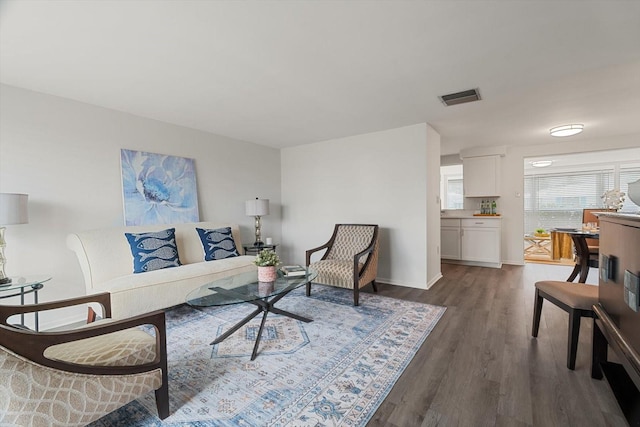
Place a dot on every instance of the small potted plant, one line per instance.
(267, 260)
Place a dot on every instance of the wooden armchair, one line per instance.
(350, 260)
(74, 377)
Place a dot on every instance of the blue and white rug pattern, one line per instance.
(334, 371)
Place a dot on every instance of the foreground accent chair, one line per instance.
(577, 299)
(74, 377)
(350, 260)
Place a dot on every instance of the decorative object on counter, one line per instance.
(257, 208)
(488, 207)
(13, 211)
(613, 199)
(267, 260)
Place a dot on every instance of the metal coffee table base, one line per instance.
(265, 307)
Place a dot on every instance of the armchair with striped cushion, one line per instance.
(350, 260)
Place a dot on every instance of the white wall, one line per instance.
(512, 205)
(66, 156)
(433, 207)
(376, 178)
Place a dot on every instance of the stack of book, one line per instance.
(293, 270)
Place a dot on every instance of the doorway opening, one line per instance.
(557, 190)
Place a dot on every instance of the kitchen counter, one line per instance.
(467, 216)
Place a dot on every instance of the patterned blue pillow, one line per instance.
(218, 243)
(154, 250)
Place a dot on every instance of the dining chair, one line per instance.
(577, 299)
(589, 216)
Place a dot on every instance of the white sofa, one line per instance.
(107, 265)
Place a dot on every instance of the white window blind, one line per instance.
(557, 200)
(455, 198)
(628, 175)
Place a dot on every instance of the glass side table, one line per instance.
(23, 285)
(255, 250)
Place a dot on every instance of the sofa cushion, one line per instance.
(217, 243)
(153, 250)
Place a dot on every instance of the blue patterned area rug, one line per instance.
(334, 371)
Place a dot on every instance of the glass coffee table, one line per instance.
(245, 288)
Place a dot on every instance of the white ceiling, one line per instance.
(284, 73)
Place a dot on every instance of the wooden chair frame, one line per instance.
(357, 273)
(575, 314)
(32, 345)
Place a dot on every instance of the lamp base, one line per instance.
(258, 244)
(5, 280)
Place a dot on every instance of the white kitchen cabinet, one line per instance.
(471, 241)
(450, 238)
(481, 176)
(480, 240)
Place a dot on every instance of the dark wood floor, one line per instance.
(481, 367)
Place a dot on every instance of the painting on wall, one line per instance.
(158, 189)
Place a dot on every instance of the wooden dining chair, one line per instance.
(589, 216)
(577, 299)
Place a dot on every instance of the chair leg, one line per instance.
(537, 311)
(574, 273)
(162, 400)
(356, 295)
(309, 289)
(375, 287)
(574, 332)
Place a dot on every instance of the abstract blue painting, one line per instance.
(158, 189)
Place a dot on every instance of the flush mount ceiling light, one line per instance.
(541, 163)
(566, 130)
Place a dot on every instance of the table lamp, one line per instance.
(257, 208)
(13, 210)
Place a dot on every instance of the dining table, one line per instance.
(583, 257)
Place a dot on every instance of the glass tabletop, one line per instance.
(245, 287)
(19, 282)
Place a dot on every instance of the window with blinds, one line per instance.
(627, 176)
(557, 200)
(451, 190)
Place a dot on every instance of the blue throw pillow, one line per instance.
(218, 243)
(154, 250)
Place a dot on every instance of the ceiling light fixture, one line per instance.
(566, 130)
(541, 163)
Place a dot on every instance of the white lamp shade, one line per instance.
(13, 209)
(257, 207)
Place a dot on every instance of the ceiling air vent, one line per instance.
(461, 97)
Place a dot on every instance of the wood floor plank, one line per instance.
(481, 366)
